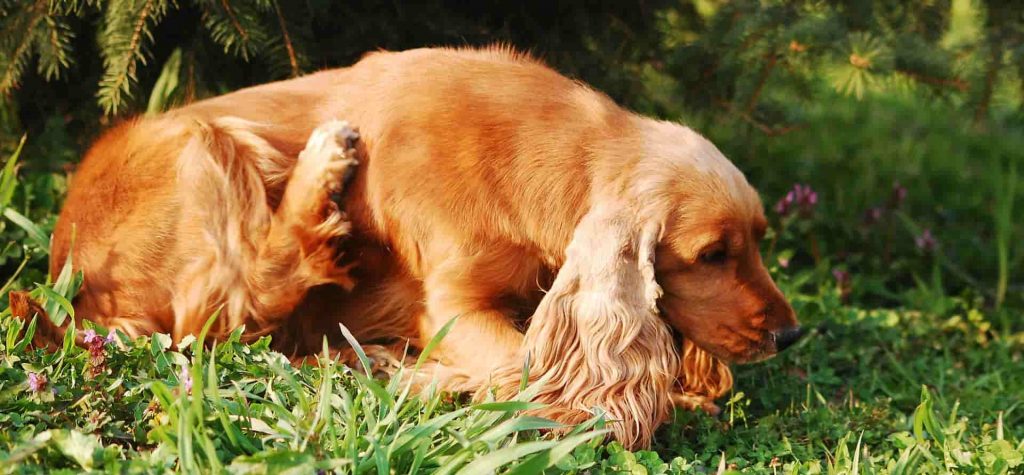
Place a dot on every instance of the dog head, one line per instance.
(715, 289)
(670, 236)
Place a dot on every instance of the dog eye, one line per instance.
(715, 256)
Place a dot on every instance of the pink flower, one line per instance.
(90, 337)
(784, 262)
(898, 195)
(842, 277)
(873, 215)
(801, 198)
(843, 281)
(36, 382)
(97, 354)
(186, 378)
(926, 241)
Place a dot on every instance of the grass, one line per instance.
(914, 364)
(879, 391)
(145, 406)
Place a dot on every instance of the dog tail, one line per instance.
(47, 334)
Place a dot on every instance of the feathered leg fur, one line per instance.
(257, 263)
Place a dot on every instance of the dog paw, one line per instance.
(692, 402)
(323, 169)
(311, 204)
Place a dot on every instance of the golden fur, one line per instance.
(488, 187)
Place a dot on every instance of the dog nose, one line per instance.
(786, 337)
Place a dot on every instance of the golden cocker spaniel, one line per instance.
(617, 254)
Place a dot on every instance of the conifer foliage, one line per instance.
(746, 58)
(753, 59)
(44, 29)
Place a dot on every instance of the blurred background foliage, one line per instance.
(906, 118)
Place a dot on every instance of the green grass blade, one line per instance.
(8, 176)
(57, 306)
(491, 462)
(426, 429)
(363, 359)
(547, 459)
(35, 233)
(516, 425)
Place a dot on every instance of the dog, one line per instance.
(614, 255)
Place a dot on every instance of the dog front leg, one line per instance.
(484, 337)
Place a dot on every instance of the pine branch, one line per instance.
(18, 43)
(292, 59)
(234, 21)
(235, 26)
(73, 7)
(766, 72)
(955, 83)
(123, 42)
(57, 55)
(769, 130)
(995, 63)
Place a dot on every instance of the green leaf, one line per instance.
(436, 340)
(1002, 450)
(515, 425)
(276, 462)
(426, 429)
(30, 332)
(160, 342)
(57, 306)
(64, 289)
(161, 98)
(78, 446)
(542, 461)
(11, 460)
(363, 359)
(491, 462)
(508, 406)
(8, 176)
(35, 233)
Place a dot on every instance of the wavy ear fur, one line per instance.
(596, 340)
(702, 379)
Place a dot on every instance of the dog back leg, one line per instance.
(257, 263)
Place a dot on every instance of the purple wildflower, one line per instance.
(898, 196)
(36, 382)
(97, 354)
(842, 276)
(784, 204)
(186, 378)
(90, 337)
(843, 282)
(801, 198)
(873, 215)
(926, 241)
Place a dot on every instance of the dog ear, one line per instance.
(702, 379)
(596, 339)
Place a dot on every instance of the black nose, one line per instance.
(785, 338)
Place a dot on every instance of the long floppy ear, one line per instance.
(596, 340)
(702, 379)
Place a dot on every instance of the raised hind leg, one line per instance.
(257, 275)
